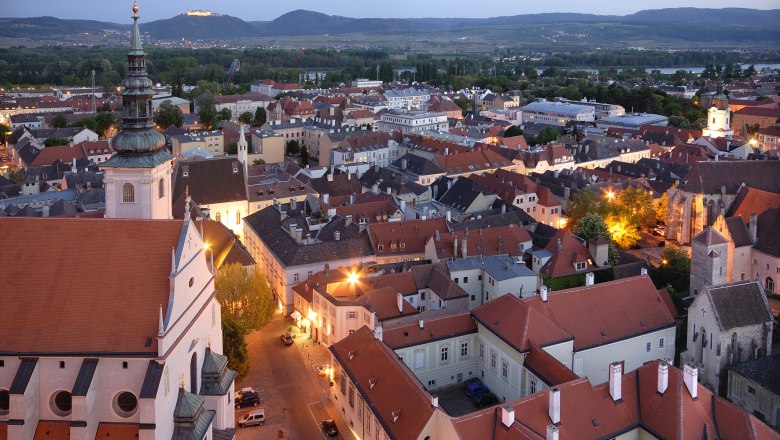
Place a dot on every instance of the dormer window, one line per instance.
(393, 246)
(380, 247)
(581, 265)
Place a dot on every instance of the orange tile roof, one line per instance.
(384, 303)
(517, 324)
(373, 212)
(472, 161)
(3, 431)
(546, 197)
(413, 234)
(64, 153)
(500, 240)
(117, 431)
(571, 251)
(606, 312)
(546, 367)
(48, 430)
(514, 142)
(115, 269)
(434, 329)
(752, 201)
(401, 405)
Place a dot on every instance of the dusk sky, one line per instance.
(119, 11)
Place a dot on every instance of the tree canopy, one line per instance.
(168, 114)
(245, 296)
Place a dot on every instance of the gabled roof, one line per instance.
(401, 405)
(767, 232)
(210, 181)
(435, 329)
(762, 371)
(708, 177)
(566, 251)
(709, 237)
(61, 296)
(413, 234)
(472, 161)
(500, 240)
(739, 304)
(606, 312)
(752, 201)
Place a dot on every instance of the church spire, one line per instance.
(135, 45)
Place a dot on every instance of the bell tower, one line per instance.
(138, 175)
(719, 117)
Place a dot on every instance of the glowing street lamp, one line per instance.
(353, 277)
(610, 195)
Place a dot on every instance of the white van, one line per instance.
(254, 418)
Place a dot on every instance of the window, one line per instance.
(432, 382)
(532, 386)
(351, 396)
(238, 217)
(351, 315)
(493, 361)
(295, 278)
(161, 188)
(481, 350)
(504, 370)
(380, 247)
(581, 265)
(464, 349)
(124, 365)
(648, 347)
(465, 280)
(128, 193)
(661, 343)
(479, 277)
(62, 364)
(308, 274)
(61, 403)
(5, 402)
(770, 285)
(218, 217)
(125, 404)
(422, 296)
(456, 280)
(751, 390)
(445, 354)
(473, 298)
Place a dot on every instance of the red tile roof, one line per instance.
(472, 161)
(434, 329)
(116, 431)
(409, 237)
(759, 111)
(64, 153)
(49, 430)
(122, 276)
(401, 405)
(501, 240)
(752, 201)
(563, 261)
(606, 312)
(546, 367)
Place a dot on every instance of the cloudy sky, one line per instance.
(118, 11)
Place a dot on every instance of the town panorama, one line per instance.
(556, 225)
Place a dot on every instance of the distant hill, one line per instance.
(222, 27)
(674, 26)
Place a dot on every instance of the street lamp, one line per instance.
(353, 277)
(610, 195)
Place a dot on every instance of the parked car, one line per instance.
(247, 399)
(484, 399)
(471, 381)
(330, 428)
(286, 338)
(659, 230)
(245, 390)
(322, 369)
(254, 418)
(476, 388)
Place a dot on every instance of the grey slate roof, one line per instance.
(762, 371)
(216, 378)
(227, 434)
(708, 177)
(418, 165)
(738, 231)
(191, 421)
(768, 232)
(461, 195)
(269, 227)
(217, 180)
(739, 304)
(152, 380)
(138, 161)
(84, 379)
(511, 217)
(23, 375)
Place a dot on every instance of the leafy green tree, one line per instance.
(582, 202)
(466, 105)
(258, 162)
(260, 116)
(592, 225)
(4, 132)
(674, 271)
(224, 115)
(512, 131)
(246, 118)
(304, 157)
(207, 113)
(232, 148)
(168, 114)
(293, 148)
(234, 346)
(59, 121)
(623, 232)
(547, 134)
(245, 296)
(55, 141)
(636, 205)
(661, 207)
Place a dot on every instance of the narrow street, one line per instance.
(294, 397)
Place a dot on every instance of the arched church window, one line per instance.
(128, 193)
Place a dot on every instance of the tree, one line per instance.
(583, 202)
(260, 116)
(513, 131)
(674, 271)
(466, 105)
(55, 141)
(661, 207)
(246, 118)
(224, 115)
(234, 346)
(258, 162)
(592, 225)
(293, 148)
(624, 233)
(59, 121)
(245, 296)
(207, 113)
(304, 157)
(232, 148)
(636, 205)
(168, 114)
(4, 132)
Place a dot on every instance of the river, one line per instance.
(667, 70)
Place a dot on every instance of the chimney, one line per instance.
(422, 324)
(552, 432)
(347, 220)
(464, 248)
(403, 205)
(663, 377)
(336, 236)
(298, 235)
(292, 230)
(691, 379)
(555, 405)
(455, 247)
(643, 271)
(543, 293)
(327, 270)
(352, 199)
(507, 416)
(293, 204)
(378, 332)
(753, 227)
(375, 188)
(404, 163)
(616, 381)
(326, 199)
(388, 190)
(589, 279)
(435, 401)
(449, 217)
(400, 302)
(330, 177)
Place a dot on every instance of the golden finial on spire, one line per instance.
(181, 383)
(208, 342)
(135, 8)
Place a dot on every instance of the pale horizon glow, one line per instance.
(119, 11)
